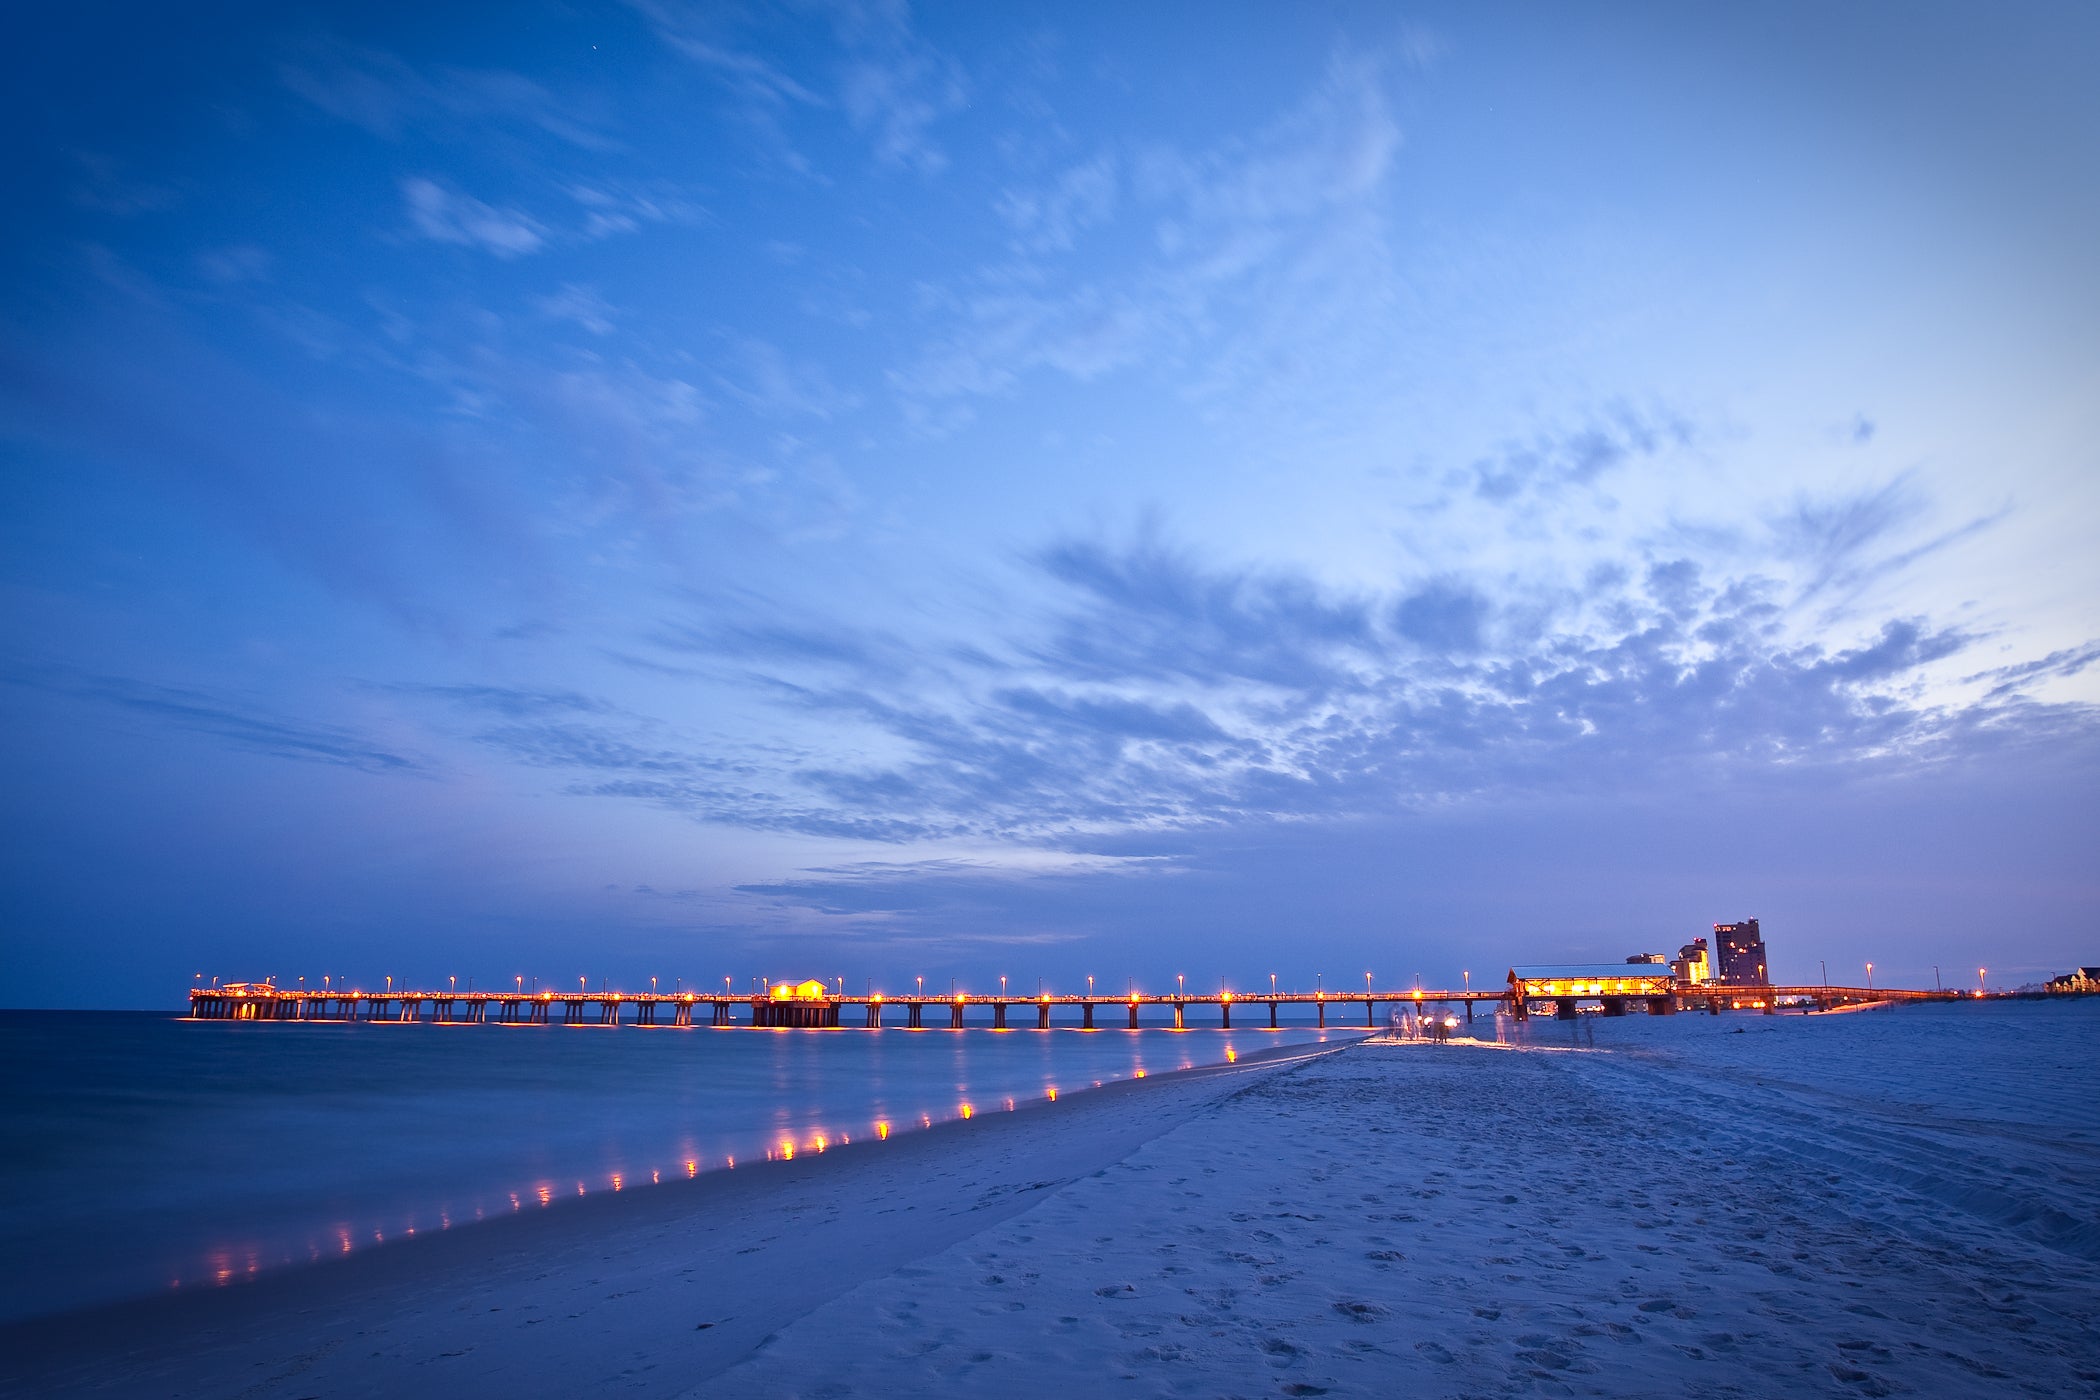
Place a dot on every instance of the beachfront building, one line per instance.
(2085, 979)
(1741, 952)
(1649, 958)
(1692, 967)
(1612, 984)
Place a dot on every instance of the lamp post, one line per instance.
(521, 983)
(1272, 984)
(1824, 963)
(1320, 985)
(1179, 979)
(1468, 975)
(1870, 977)
(922, 984)
(1979, 982)
(1002, 984)
(1936, 978)
(1367, 984)
(1090, 984)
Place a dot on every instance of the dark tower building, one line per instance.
(1741, 951)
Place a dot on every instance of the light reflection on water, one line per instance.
(140, 1167)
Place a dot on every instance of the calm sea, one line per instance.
(146, 1152)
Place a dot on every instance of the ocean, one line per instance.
(148, 1152)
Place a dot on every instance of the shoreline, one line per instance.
(191, 1327)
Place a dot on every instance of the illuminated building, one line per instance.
(1612, 984)
(1692, 966)
(795, 1004)
(1741, 952)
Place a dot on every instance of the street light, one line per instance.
(1870, 977)
(922, 984)
(1979, 982)
(1367, 984)
(1090, 984)
(1824, 963)
(1272, 984)
(1179, 978)
(1002, 984)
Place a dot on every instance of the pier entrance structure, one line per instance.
(1614, 984)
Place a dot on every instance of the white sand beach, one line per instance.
(1387, 1219)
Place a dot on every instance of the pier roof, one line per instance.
(1617, 978)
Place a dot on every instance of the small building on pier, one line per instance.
(807, 1003)
(1613, 984)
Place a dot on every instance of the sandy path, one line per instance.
(646, 1293)
(1456, 1221)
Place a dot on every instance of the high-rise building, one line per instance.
(1691, 965)
(1741, 953)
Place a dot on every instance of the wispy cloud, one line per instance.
(234, 722)
(389, 97)
(445, 215)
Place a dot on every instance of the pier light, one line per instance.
(1042, 996)
(1089, 983)
(922, 984)
(1228, 996)
(1367, 985)
(1179, 980)
(580, 983)
(877, 996)
(1870, 977)
(1002, 984)
(652, 986)
(725, 986)
(1979, 982)
(521, 983)
(1272, 984)
(455, 983)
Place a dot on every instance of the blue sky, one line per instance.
(701, 491)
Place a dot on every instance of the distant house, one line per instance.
(2085, 979)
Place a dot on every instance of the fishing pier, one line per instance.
(812, 1005)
